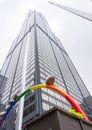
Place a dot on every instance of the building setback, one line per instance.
(45, 56)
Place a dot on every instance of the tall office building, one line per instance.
(45, 56)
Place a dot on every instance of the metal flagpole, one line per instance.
(81, 14)
(21, 103)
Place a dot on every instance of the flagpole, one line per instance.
(84, 15)
(23, 84)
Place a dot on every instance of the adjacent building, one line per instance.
(88, 106)
(45, 56)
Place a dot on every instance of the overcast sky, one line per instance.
(74, 32)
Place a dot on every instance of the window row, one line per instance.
(29, 100)
(29, 110)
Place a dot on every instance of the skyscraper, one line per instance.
(38, 53)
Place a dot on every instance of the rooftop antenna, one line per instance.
(81, 14)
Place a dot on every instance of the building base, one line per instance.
(57, 119)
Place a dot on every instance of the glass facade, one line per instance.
(46, 57)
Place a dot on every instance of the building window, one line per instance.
(32, 108)
(25, 113)
(32, 98)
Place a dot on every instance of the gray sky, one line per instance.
(74, 32)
